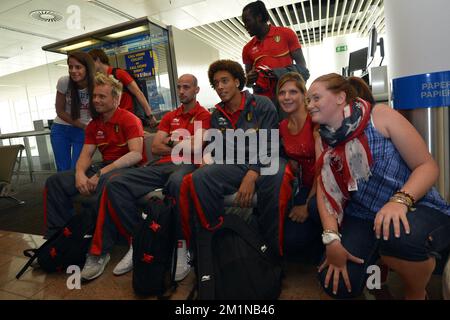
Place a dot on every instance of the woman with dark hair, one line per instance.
(74, 109)
(297, 133)
(375, 193)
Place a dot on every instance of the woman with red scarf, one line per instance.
(375, 193)
(302, 228)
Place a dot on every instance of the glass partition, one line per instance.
(142, 48)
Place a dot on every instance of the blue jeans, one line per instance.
(303, 241)
(67, 142)
(429, 237)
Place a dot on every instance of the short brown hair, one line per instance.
(100, 55)
(234, 68)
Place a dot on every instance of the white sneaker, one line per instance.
(126, 264)
(183, 260)
(94, 266)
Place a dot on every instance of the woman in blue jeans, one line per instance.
(375, 192)
(73, 109)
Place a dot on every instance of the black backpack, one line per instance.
(138, 109)
(155, 249)
(233, 263)
(68, 246)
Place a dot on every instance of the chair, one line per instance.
(9, 157)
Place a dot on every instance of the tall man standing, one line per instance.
(271, 47)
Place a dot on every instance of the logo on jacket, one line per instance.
(206, 278)
(100, 134)
(175, 122)
(277, 39)
(223, 122)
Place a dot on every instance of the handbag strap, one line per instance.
(32, 254)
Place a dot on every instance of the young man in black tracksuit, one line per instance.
(262, 172)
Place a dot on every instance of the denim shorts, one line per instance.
(429, 237)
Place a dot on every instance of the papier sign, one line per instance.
(422, 91)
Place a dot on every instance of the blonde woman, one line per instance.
(302, 228)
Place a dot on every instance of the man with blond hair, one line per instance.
(117, 133)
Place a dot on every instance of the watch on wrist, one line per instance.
(328, 236)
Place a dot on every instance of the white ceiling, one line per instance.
(217, 22)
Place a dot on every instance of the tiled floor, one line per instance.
(300, 281)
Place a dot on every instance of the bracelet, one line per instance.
(403, 200)
(170, 143)
(332, 231)
(406, 194)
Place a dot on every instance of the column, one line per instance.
(419, 66)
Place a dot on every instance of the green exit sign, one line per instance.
(341, 48)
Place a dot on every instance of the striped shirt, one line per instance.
(389, 174)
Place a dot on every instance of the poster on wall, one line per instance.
(140, 63)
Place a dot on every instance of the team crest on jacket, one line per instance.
(277, 39)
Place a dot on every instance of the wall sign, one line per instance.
(141, 63)
(426, 90)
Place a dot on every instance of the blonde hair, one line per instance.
(297, 79)
(116, 86)
(292, 76)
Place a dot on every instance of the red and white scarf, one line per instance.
(346, 158)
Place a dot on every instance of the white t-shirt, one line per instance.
(62, 87)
